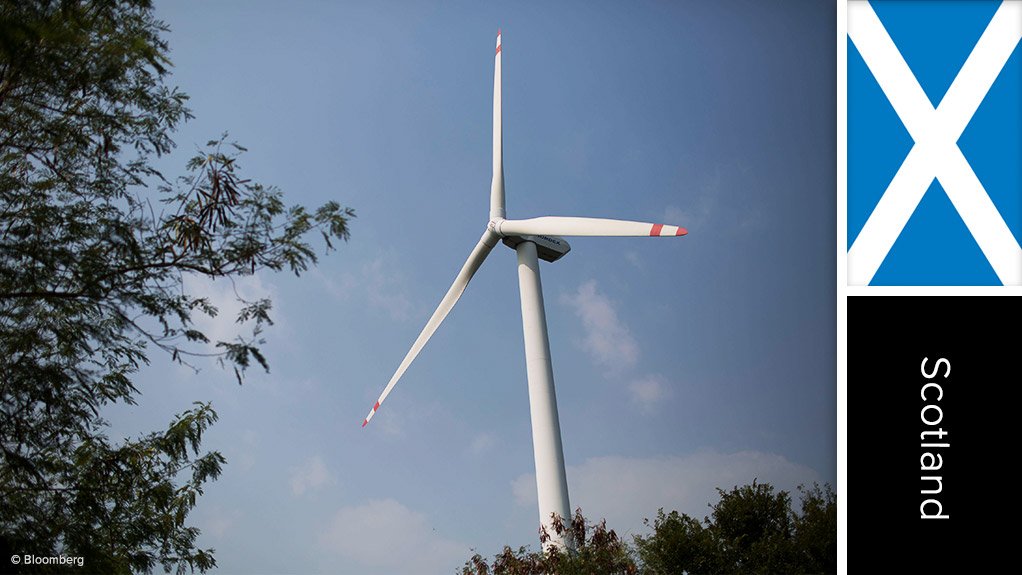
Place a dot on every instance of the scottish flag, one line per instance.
(934, 142)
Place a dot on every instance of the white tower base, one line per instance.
(551, 482)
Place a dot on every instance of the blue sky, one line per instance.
(680, 364)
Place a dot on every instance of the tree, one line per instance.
(95, 245)
(597, 550)
(752, 529)
(815, 536)
(679, 544)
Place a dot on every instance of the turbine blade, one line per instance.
(570, 226)
(497, 184)
(475, 259)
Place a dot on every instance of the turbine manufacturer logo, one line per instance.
(934, 142)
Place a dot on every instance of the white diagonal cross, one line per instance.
(935, 152)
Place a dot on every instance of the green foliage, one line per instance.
(679, 544)
(120, 508)
(752, 530)
(596, 550)
(815, 538)
(95, 246)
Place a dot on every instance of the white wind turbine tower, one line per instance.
(533, 239)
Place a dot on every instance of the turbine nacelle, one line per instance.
(548, 248)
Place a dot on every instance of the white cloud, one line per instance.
(482, 443)
(524, 489)
(219, 522)
(626, 490)
(385, 287)
(395, 420)
(385, 536)
(635, 259)
(310, 475)
(243, 455)
(607, 340)
(393, 424)
(718, 191)
(341, 288)
(676, 216)
(223, 294)
(649, 390)
(380, 283)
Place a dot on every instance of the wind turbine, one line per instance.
(533, 239)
